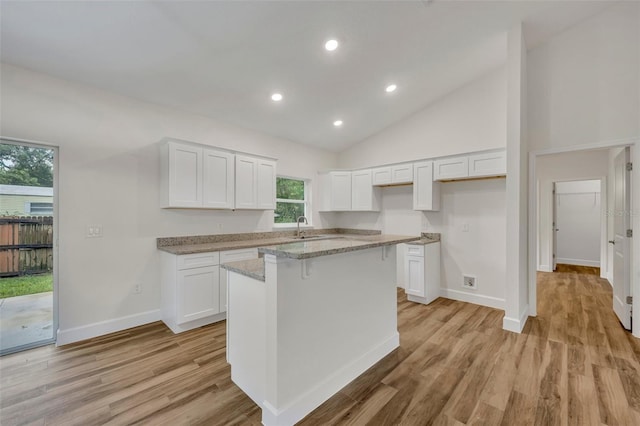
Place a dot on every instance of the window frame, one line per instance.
(30, 204)
(306, 203)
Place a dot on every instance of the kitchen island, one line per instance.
(321, 313)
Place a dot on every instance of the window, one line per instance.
(40, 209)
(292, 200)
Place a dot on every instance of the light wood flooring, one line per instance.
(573, 364)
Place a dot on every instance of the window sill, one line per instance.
(283, 226)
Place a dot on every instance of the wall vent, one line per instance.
(469, 282)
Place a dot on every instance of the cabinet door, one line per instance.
(381, 176)
(198, 293)
(426, 192)
(340, 191)
(361, 190)
(227, 257)
(246, 179)
(451, 168)
(218, 179)
(185, 175)
(266, 184)
(488, 164)
(402, 173)
(414, 275)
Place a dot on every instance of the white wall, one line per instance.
(472, 118)
(578, 214)
(573, 166)
(480, 251)
(109, 175)
(584, 83)
(469, 119)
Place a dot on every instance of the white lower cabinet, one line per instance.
(198, 293)
(422, 272)
(227, 257)
(190, 290)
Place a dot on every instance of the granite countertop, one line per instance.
(253, 268)
(221, 242)
(426, 238)
(224, 245)
(339, 244)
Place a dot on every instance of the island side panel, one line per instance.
(327, 322)
(246, 334)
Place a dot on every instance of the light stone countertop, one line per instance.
(427, 238)
(339, 244)
(253, 268)
(224, 245)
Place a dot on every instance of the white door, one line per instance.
(361, 190)
(621, 243)
(555, 227)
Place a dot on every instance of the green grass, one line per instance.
(28, 284)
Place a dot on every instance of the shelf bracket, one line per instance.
(304, 269)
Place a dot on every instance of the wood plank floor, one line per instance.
(573, 364)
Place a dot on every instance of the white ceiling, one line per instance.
(224, 59)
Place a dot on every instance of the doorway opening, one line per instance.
(579, 226)
(28, 308)
(608, 166)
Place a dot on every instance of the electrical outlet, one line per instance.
(137, 288)
(220, 227)
(469, 282)
(94, 231)
(465, 227)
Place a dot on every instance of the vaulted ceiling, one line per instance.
(224, 59)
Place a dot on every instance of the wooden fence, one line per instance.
(26, 245)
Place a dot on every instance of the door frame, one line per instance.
(604, 265)
(634, 144)
(56, 221)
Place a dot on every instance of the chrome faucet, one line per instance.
(298, 222)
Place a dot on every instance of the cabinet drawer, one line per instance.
(415, 250)
(198, 260)
(236, 255)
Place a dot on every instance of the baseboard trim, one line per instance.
(516, 324)
(544, 268)
(477, 299)
(310, 400)
(579, 262)
(76, 334)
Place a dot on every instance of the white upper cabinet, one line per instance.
(182, 175)
(340, 191)
(364, 197)
(255, 183)
(196, 176)
(392, 175)
(471, 166)
(246, 181)
(451, 168)
(488, 164)
(266, 184)
(218, 179)
(426, 192)
(381, 175)
(402, 173)
(335, 191)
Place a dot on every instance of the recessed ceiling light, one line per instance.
(331, 45)
(337, 123)
(391, 88)
(276, 97)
